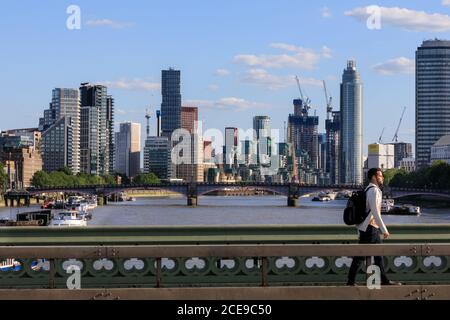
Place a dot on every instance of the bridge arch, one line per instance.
(86, 192)
(398, 195)
(204, 190)
(177, 189)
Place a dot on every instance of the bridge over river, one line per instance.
(192, 191)
(220, 262)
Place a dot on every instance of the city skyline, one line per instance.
(222, 71)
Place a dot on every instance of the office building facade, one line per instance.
(128, 149)
(57, 146)
(262, 135)
(192, 169)
(401, 150)
(157, 158)
(171, 101)
(20, 153)
(110, 128)
(230, 149)
(65, 104)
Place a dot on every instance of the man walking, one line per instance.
(371, 228)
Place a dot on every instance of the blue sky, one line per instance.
(237, 58)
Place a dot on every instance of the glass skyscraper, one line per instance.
(171, 102)
(262, 135)
(432, 97)
(352, 127)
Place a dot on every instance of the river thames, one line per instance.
(226, 210)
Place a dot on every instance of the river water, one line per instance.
(223, 210)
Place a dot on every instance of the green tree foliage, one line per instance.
(66, 170)
(146, 178)
(3, 178)
(65, 178)
(436, 176)
(390, 174)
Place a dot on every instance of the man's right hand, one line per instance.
(386, 235)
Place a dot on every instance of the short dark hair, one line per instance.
(372, 172)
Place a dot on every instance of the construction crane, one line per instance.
(328, 100)
(305, 100)
(148, 116)
(395, 139)
(381, 135)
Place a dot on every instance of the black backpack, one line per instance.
(355, 211)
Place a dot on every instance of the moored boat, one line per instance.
(388, 207)
(69, 219)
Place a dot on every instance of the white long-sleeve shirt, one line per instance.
(374, 198)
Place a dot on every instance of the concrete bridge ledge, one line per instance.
(332, 292)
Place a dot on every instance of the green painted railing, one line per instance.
(174, 256)
(216, 265)
(217, 234)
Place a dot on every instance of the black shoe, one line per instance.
(391, 283)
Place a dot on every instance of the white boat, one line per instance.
(92, 203)
(331, 194)
(413, 209)
(321, 197)
(6, 264)
(80, 206)
(343, 195)
(387, 205)
(69, 219)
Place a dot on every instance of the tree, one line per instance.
(40, 179)
(66, 170)
(146, 178)
(3, 178)
(109, 179)
(390, 174)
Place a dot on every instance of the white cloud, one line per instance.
(213, 87)
(326, 13)
(222, 72)
(108, 23)
(120, 111)
(273, 82)
(407, 19)
(228, 103)
(400, 65)
(446, 2)
(302, 58)
(326, 52)
(135, 84)
(288, 47)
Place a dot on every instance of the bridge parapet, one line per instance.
(217, 265)
(213, 256)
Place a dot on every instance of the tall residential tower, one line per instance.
(95, 125)
(352, 126)
(60, 129)
(432, 97)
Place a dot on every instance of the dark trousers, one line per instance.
(371, 235)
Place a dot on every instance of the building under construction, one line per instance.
(303, 134)
(333, 128)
